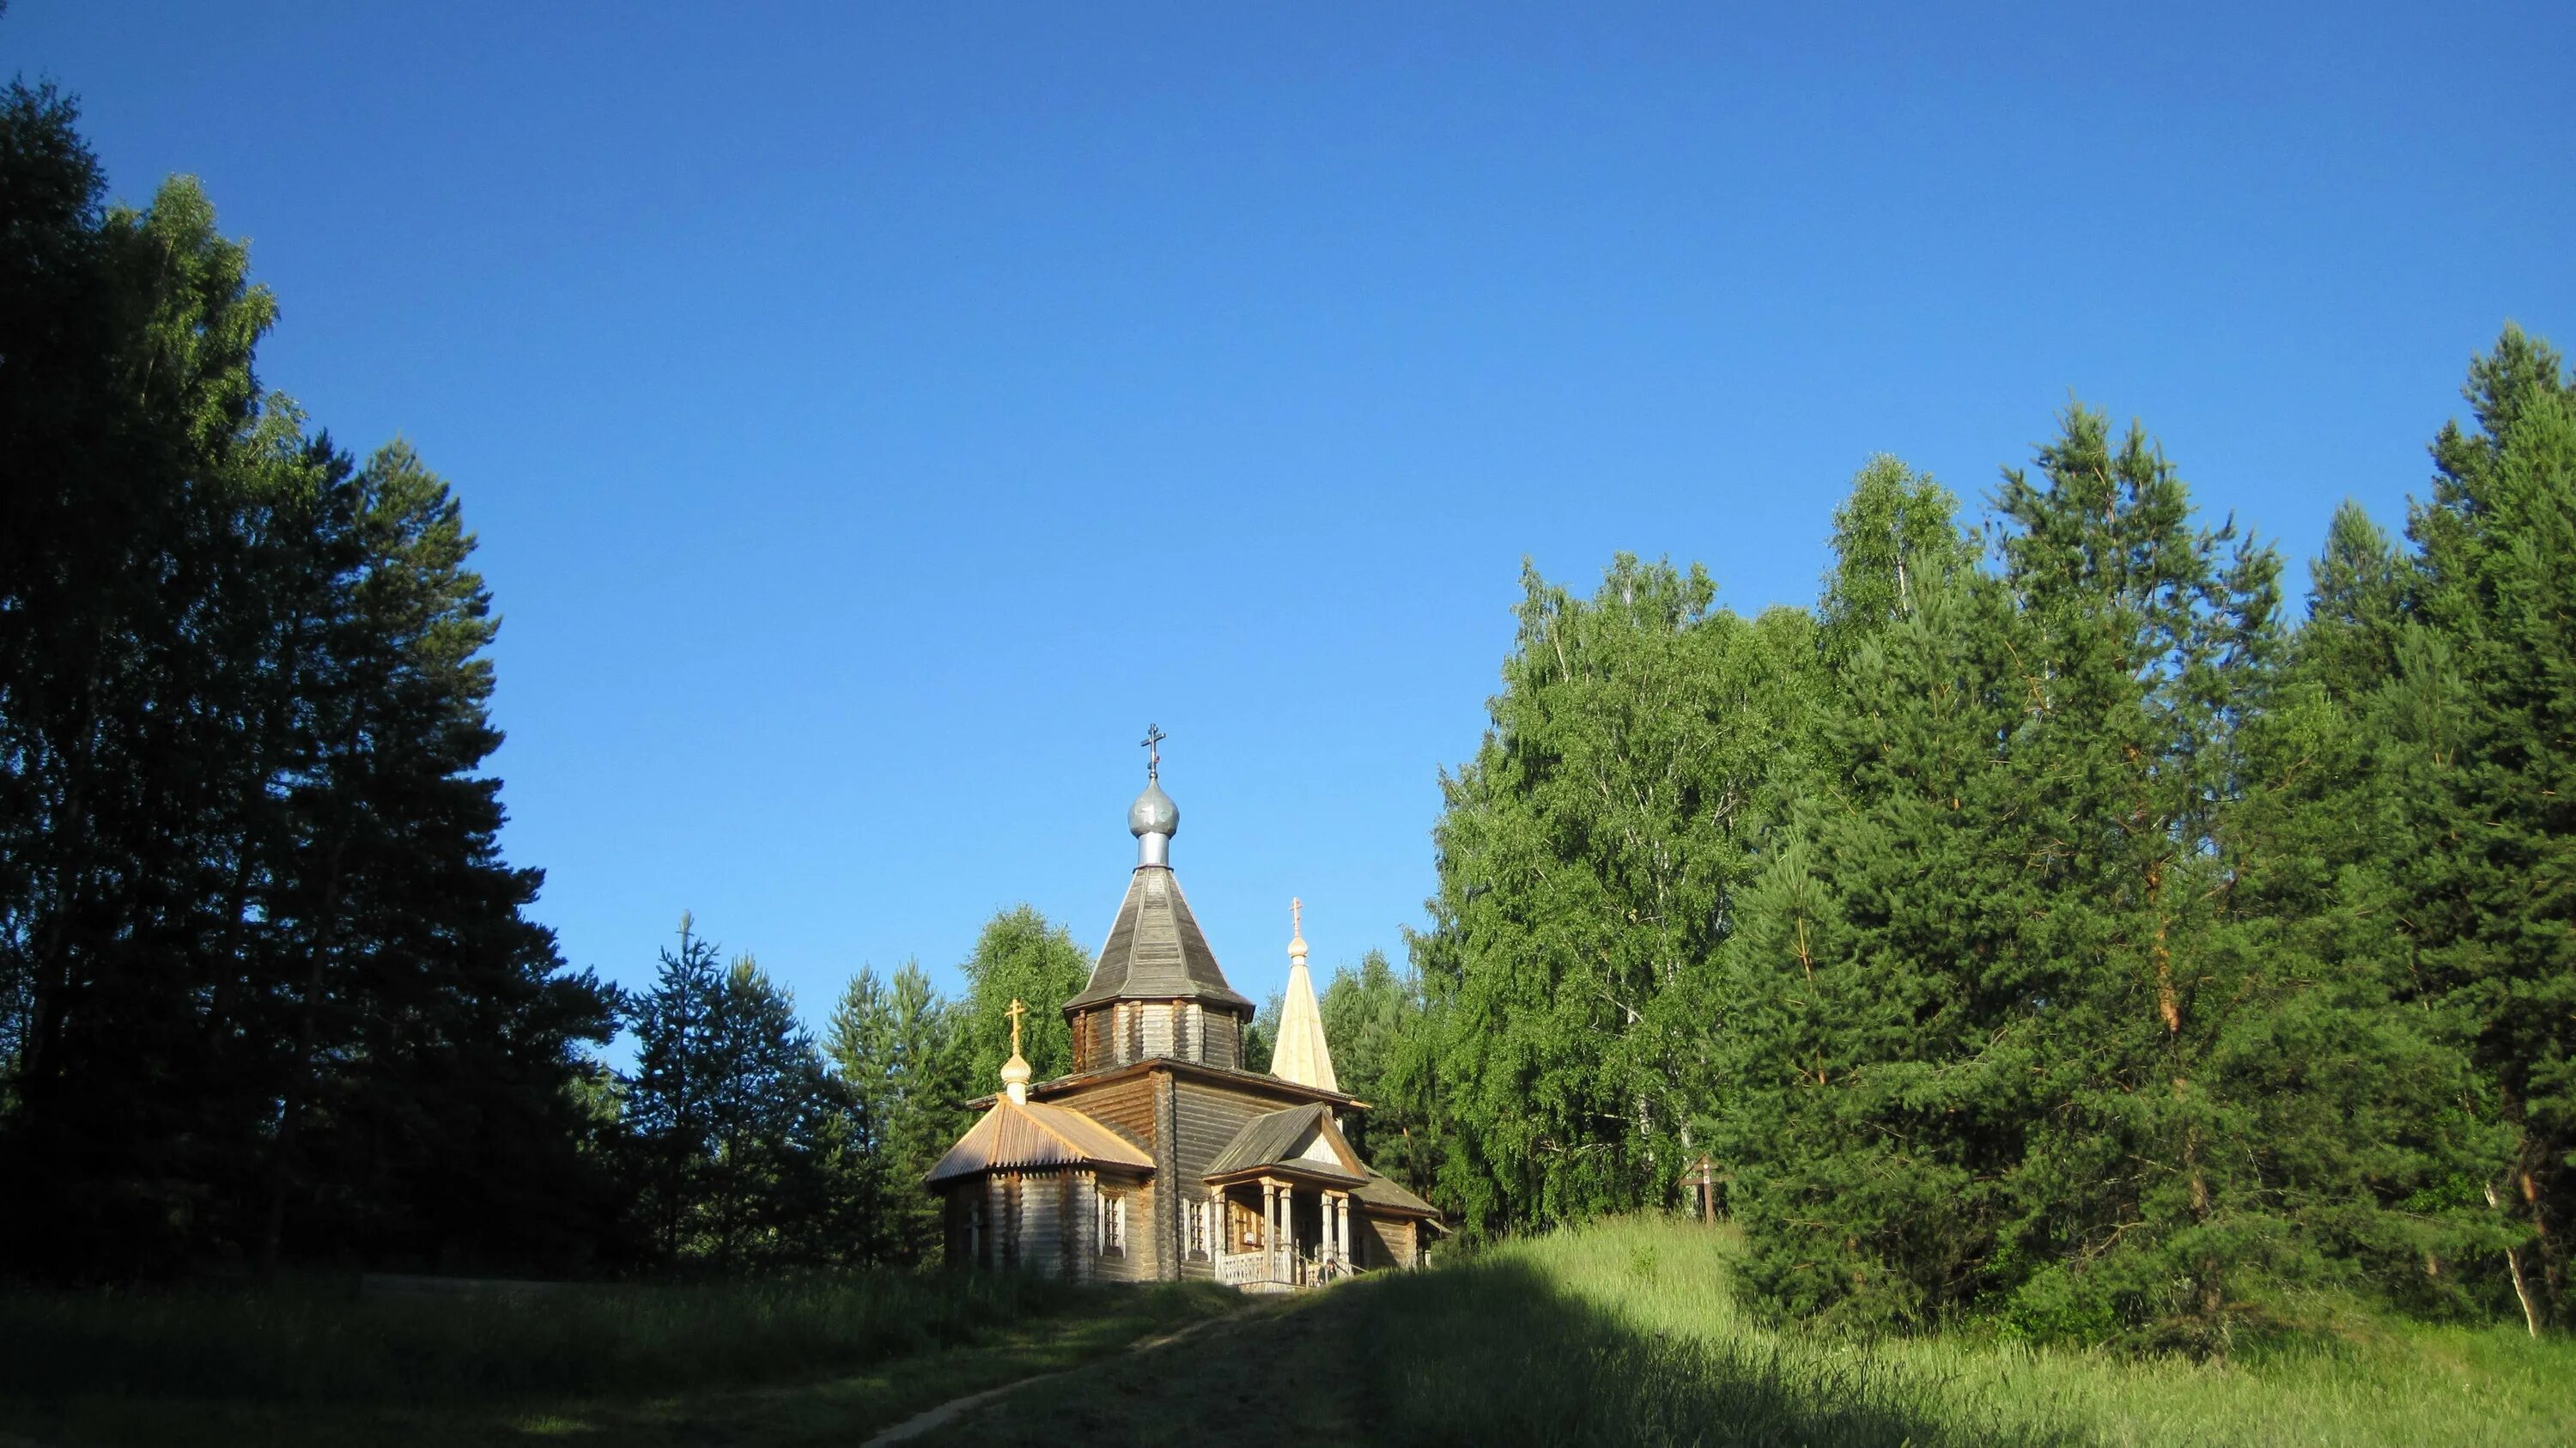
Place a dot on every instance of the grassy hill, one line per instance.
(1628, 1332)
(1622, 1332)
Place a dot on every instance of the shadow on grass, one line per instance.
(315, 1341)
(1493, 1352)
(820, 1361)
(1489, 1352)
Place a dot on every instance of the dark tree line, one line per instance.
(2045, 927)
(268, 992)
(746, 1144)
(266, 987)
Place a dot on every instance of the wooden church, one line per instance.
(1160, 1157)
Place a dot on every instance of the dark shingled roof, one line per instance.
(1157, 952)
(1275, 1139)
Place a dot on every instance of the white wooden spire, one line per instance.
(1301, 1055)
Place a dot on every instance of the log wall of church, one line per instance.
(1167, 1226)
(1125, 1032)
(1049, 1224)
(1383, 1241)
(1135, 1260)
(1126, 1107)
(1221, 1039)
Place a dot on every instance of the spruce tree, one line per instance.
(2488, 695)
(744, 1133)
(2373, 1096)
(1878, 1089)
(894, 1043)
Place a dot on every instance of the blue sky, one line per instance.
(874, 416)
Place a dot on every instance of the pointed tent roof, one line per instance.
(1026, 1136)
(1156, 951)
(1301, 1055)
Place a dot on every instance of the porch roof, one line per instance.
(1279, 1141)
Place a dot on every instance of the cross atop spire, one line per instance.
(1154, 737)
(1015, 1071)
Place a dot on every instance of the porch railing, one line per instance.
(1273, 1269)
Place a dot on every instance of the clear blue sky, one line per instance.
(873, 420)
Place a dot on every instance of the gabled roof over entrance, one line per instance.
(1032, 1136)
(1301, 1140)
(1156, 951)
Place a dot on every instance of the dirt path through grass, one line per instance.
(956, 1408)
(1278, 1371)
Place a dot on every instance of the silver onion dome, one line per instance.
(1153, 813)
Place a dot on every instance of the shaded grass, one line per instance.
(1622, 1332)
(2377, 1381)
(1499, 1349)
(812, 1361)
(1629, 1332)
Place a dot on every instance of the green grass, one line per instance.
(811, 1361)
(1622, 1332)
(1629, 1332)
(1648, 1312)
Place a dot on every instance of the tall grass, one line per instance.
(310, 1343)
(1629, 1332)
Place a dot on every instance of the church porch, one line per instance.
(1283, 1231)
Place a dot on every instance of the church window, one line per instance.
(1198, 1218)
(1113, 1224)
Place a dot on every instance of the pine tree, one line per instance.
(265, 984)
(1879, 1085)
(135, 581)
(671, 1100)
(2489, 698)
(2020, 1019)
(743, 1130)
(895, 1046)
(2392, 1129)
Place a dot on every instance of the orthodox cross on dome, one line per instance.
(1154, 737)
(1296, 926)
(1016, 1011)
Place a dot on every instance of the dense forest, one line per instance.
(2045, 927)
(2052, 925)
